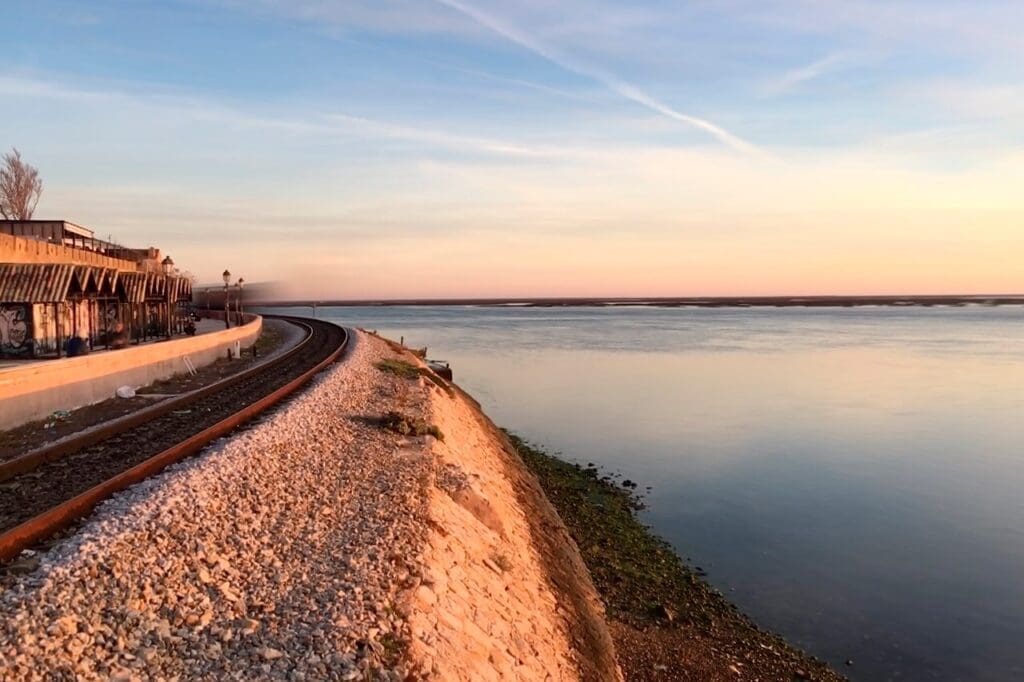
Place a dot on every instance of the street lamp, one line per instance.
(238, 301)
(227, 281)
(168, 269)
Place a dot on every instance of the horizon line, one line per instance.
(763, 300)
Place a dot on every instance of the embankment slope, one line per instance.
(505, 592)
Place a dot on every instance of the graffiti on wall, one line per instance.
(14, 329)
(110, 316)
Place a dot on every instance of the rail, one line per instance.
(323, 345)
(65, 446)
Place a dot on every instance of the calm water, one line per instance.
(851, 478)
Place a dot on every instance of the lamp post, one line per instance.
(168, 269)
(227, 312)
(238, 301)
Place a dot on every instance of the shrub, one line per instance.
(409, 426)
(400, 368)
(407, 370)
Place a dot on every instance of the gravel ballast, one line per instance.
(277, 554)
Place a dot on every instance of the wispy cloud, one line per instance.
(970, 100)
(616, 85)
(441, 138)
(950, 27)
(808, 72)
(324, 124)
(520, 82)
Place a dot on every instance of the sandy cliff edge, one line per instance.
(505, 592)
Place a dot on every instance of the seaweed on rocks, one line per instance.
(667, 622)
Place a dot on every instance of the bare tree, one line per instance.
(187, 274)
(20, 187)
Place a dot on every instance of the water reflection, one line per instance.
(851, 478)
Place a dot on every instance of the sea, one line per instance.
(851, 478)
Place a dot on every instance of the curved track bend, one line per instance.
(47, 490)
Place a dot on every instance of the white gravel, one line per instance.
(278, 554)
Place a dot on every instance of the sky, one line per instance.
(461, 148)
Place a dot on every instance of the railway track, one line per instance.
(47, 490)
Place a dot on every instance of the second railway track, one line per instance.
(48, 491)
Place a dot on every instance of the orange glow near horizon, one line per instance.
(676, 223)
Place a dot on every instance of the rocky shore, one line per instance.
(667, 622)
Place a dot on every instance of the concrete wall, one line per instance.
(23, 250)
(37, 389)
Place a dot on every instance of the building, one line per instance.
(57, 281)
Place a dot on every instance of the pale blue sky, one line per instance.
(461, 147)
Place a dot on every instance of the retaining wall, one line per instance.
(38, 389)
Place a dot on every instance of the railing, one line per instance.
(58, 232)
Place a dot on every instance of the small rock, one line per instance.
(65, 625)
(228, 592)
(426, 595)
(23, 565)
(664, 613)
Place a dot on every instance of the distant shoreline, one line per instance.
(672, 302)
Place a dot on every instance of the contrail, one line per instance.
(623, 89)
(795, 77)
